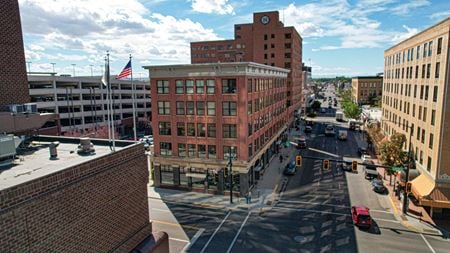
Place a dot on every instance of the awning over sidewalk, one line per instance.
(422, 186)
(439, 197)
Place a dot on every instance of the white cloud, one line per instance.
(440, 15)
(82, 30)
(221, 7)
(405, 8)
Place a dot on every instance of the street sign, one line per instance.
(397, 168)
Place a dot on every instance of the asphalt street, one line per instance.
(312, 214)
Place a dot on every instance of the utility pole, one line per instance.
(53, 67)
(409, 162)
(230, 165)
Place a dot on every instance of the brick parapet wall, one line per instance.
(97, 206)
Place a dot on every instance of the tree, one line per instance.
(351, 110)
(391, 152)
(374, 100)
(316, 105)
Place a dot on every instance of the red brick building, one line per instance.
(13, 76)
(77, 202)
(203, 112)
(266, 41)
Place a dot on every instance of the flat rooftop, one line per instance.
(34, 162)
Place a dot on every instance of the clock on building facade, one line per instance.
(265, 20)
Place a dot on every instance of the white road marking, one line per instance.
(386, 220)
(239, 231)
(194, 239)
(428, 244)
(323, 152)
(161, 210)
(309, 210)
(379, 211)
(314, 203)
(217, 229)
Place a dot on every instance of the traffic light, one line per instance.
(298, 161)
(355, 166)
(408, 187)
(326, 164)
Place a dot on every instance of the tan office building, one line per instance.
(415, 96)
(365, 87)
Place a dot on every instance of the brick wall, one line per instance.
(97, 206)
(13, 77)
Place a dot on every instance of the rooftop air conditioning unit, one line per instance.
(7, 146)
(85, 147)
(30, 107)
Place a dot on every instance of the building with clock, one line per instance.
(266, 41)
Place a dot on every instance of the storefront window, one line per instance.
(198, 178)
(166, 174)
(183, 177)
(213, 179)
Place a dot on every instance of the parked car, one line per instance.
(329, 130)
(323, 110)
(308, 129)
(370, 170)
(290, 169)
(378, 186)
(301, 141)
(361, 216)
(362, 151)
(346, 166)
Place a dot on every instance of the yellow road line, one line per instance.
(393, 205)
(174, 224)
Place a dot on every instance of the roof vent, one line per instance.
(53, 150)
(85, 147)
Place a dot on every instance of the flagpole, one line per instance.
(111, 106)
(107, 101)
(133, 88)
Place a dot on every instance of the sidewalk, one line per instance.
(265, 192)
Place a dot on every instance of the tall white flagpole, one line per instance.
(133, 88)
(111, 107)
(106, 85)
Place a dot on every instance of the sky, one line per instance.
(340, 38)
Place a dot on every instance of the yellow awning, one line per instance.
(422, 186)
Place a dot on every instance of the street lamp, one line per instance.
(231, 155)
(53, 67)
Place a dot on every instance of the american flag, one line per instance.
(125, 72)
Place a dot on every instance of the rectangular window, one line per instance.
(200, 108)
(435, 93)
(421, 157)
(211, 108)
(423, 71)
(179, 86)
(421, 91)
(418, 133)
(189, 86)
(201, 151)
(249, 107)
(430, 141)
(439, 46)
(162, 86)
(424, 118)
(212, 130)
(415, 91)
(427, 90)
(190, 108)
(433, 117)
(420, 112)
(428, 70)
(191, 150)
(429, 164)
(229, 131)
(210, 86)
(199, 86)
(181, 129)
(436, 71)
(180, 108)
(229, 86)
(228, 108)
(212, 152)
(164, 128)
(229, 150)
(163, 107)
(181, 150)
(249, 85)
(249, 129)
(190, 129)
(430, 48)
(417, 71)
(425, 50)
(250, 150)
(418, 52)
(165, 148)
(201, 130)
(423, 136)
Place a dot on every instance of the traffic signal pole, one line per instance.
(405, 193)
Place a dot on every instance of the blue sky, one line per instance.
(339, 37)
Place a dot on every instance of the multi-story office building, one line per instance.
(82, 102)
(266, 41)
(415, 102)
(366, 88)
(204, 112)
